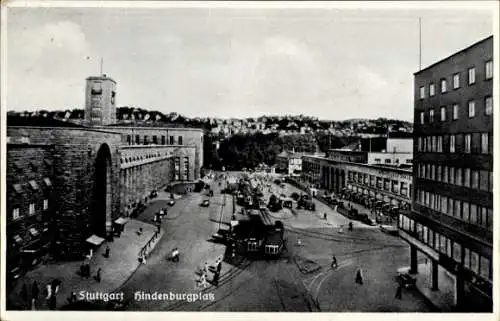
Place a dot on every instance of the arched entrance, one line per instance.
(101, 194)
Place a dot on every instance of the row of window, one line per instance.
(475, 143)
(18, 188)
(389, 161)
(465, 211)
(16, 212)
(467, 177)
(177, 169)
(393, 186)
(456, 80)
(455, 109)
(142, 157)
(154, 141)
(469, 259)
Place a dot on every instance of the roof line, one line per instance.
(453, 54)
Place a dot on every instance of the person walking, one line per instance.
(106, 253)
(350, 226)
(215, 280)
(24, 293)
(219, 265)
(98, 275)
(399, 292)
(35, 291)
(324, 216)
(359, 276)
(334, 262)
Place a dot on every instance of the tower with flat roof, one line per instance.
(100, 103)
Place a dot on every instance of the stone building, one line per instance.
(66, 182)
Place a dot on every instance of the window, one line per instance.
(443, 113)
(387, 161)
(439, 144)
(45, 204)
(467, 177)
(472, 109)
(445, 173)
(484, 143)
(457, 252)
(473, 214)
(488, 105)
(171, 140)
(474, 262)
(443, 85)
(146, 140)
(467, 143)
(488, 69)
(452, 143)
(455, 111)
(179, 140)
(465, 211)
(474, 179)
(472, 76)
(129, 139)
(458, 209)
(431, 115)
(456, 81)
(422, 92)
(432, 90)
(422, 117)
(155, 139)
(484, 270)
(31, 209)
(137, 140)
(452, 175)
(15, 214)
(163, 140)
(483, 180)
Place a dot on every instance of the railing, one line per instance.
(145, 251)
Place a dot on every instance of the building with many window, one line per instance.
(451, 222)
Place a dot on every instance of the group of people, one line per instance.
(52, 289)
(203, 282)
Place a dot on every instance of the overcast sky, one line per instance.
(227, 62)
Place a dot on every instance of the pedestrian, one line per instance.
(219, 265)
(106, 253)
(24, 293)
(399, 292)
(359, 276)
(52, 302)
(98, 275)
(35, 291)
(215, 280)
(324, 216)
(334, 262)
(140, 231)
(350, 226)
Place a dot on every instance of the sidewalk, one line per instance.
(444, 297)
(123, 261)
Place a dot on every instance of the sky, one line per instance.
(331, 63)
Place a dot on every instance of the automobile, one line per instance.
(221, 235)
(389, 229)
(407, 280)
(171, 203)
(205, 203)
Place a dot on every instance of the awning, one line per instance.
(95, 240)
(121, 221)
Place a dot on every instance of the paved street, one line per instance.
(274, 285)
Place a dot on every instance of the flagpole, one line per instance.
(419, 43)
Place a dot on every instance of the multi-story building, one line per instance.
(451, 222)
(289, 163)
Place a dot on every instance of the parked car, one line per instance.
(389, 229)
(407, 280)
(171, 202)
(205, 203)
